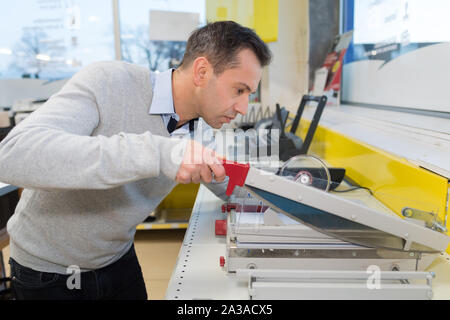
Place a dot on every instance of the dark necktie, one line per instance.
(172, 125)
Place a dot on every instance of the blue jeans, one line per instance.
(122, 280)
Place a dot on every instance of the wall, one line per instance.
(259, 15)
(286, 79)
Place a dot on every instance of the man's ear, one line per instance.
(202, 71)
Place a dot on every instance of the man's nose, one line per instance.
(242, 106)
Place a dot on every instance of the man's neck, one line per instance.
(184, 104)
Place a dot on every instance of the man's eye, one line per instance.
(240, 91)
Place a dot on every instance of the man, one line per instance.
(98, 157)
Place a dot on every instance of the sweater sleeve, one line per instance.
(53, 147)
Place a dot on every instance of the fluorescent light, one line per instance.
(5, 51)
(43, 57)
(127, 36)
(94, 19)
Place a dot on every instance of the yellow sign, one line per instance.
(259, 15)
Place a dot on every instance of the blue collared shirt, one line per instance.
(162, 102)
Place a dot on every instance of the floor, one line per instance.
(157, 251)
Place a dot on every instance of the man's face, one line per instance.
(227, 95)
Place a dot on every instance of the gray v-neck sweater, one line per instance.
(94, 164)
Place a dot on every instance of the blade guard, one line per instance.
(237, 173)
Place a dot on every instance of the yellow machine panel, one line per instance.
(394, 181)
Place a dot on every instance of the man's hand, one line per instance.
(199, 165)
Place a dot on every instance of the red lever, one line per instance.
(237, 172)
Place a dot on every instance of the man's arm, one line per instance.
(53, 149)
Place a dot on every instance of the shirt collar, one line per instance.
(162, 101)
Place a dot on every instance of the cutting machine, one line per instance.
(292, 228)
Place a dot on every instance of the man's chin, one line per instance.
(218, 125)
(215, 124)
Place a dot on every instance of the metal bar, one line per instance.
(244, 274)
(337, 291)
(314, 123)
(298, 116)
(116, 23)
(305, 253)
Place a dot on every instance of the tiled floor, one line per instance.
(157, 251)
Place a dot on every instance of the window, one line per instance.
(147, 35)
(52, 39)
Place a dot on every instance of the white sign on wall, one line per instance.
(172, 25)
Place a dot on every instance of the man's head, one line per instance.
(226, 61)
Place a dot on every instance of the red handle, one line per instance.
(237, 172)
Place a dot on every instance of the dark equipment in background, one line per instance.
(8, 203)
(290, 144)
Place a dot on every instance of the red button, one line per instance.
(221, 227)
(222, 261)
